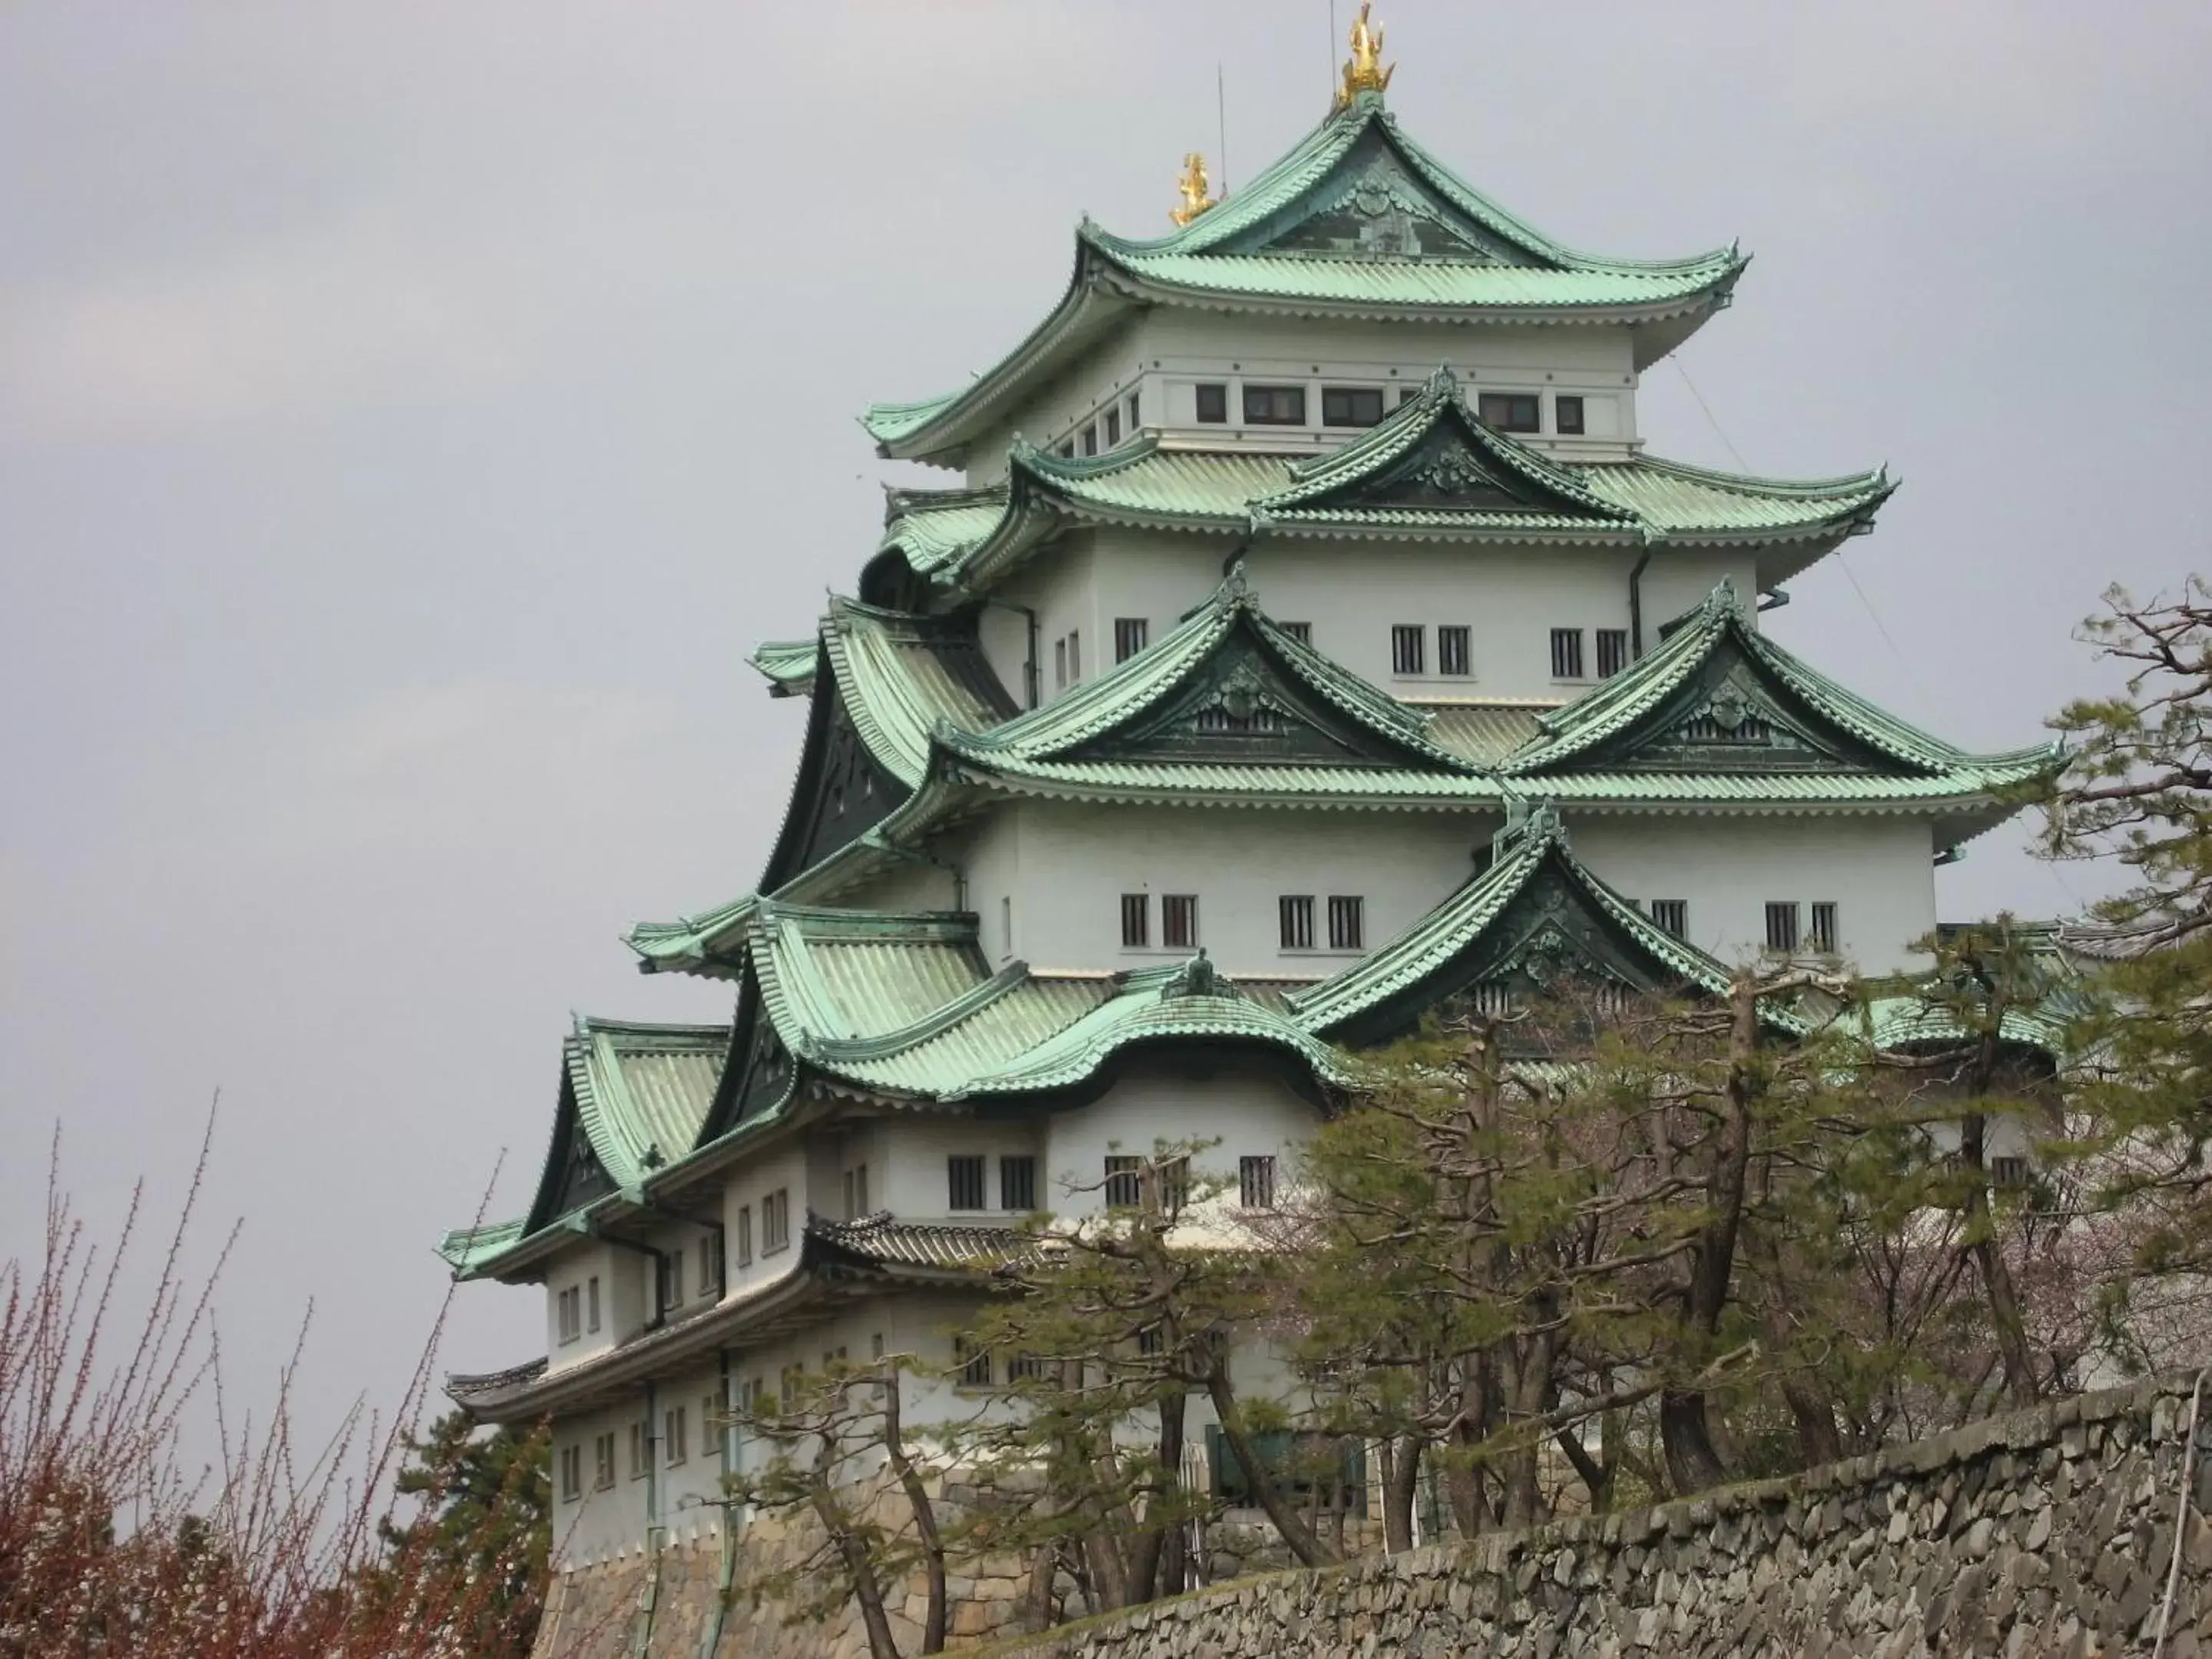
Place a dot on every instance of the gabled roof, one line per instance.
(788, 665)
(1227, 686)
(1644, 501)
(1720, 698)
(1357, 220)
(1537, 917)
(903, 675)
(632, 1098)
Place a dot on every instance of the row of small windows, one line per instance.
(1791, 925)
(966, 1182)
(1363, 405)
(577, 1309)
(1108, 425)
(1124, 1186)
(1454, 655)
(1345, 914)
(774, 1228)
(1178, 921)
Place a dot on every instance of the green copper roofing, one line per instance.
(641, 1092)
(1605, 725)
(903, 675)
(690, 944)
(1084, 721)
(1461, 930)
(789, 666)
(1357, 220)
(467, 1248)
(1644, 501)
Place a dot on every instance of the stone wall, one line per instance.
(2046, 1533)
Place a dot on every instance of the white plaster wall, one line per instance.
(1161, 355)
(1251, 1114)
(909, 1155)
(1076, 861)
(1878, 869)
(782, 1166)
(603, 1520)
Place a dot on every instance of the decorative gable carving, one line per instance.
(1373, 206)
(583, 1177)
(1733, 717)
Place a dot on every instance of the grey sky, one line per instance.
(411, 415)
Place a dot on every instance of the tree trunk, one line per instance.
(860, 1572)
(2005, 1315)
(1532, 1394)
(1296, 1534)
(1810, 1407)
(925, 1513)
(1149, 1547)
(1692, 1465)
(1400, 1461)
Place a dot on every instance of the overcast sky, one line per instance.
(411, 415)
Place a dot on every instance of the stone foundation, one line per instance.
(2048, 1533)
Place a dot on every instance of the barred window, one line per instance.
(1300, 631)
(1133, 405)
(974, 1363)
(963, 1179)
(592, 1302)
(1823, 927)
(1406, 655)
(2008, 1172)
(1060, 664)
(744, 1241)
(1274, 406)
(1213, 404)
(1023, 1367)
(1347, 923)
(1090, 438)
(1131, 634)
(1179, 920)
(1296, 912)
(1455, 654)
(1567, 415)
(1782, 925)
(1255, 1182)
(1566, 654)
(1124, 1182)
(1018, 1184)
(640, 1450)
(603, 1461)
(1113, 427)
(572, 1473)
(1074, 656)
(675, 1432)
(1136, 921)
(1612, 651)
(671, 1279)
(565, 1304)
(1671, 916)
(710, 1264)
(775, 1221)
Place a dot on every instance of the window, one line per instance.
(1179, 920)
(565, 1305)
(1074, 657)
(1023, 1367)
(1274, 406)
(1295, 912)
(1006, 925)
(710, 1266)
(572, 1473)
(1090, 438)
(1213, 404)
(1068, 450)
(1824, 928)
(1406, 394)
(1113, 427)
(592, 1302)
(1351, 405)
(1255, 1182)
(603, 1462)
(856, 1192)
(671, 1279)
(1782, 927)
(641, 1450)
(1566, 654)
(1347, 923)
(876, 1346)
(974, 1363)
(1454, 650)
(1060, 664)
(1406, 655)
(1124, 1182)
(2008, 1172)
(1671, 916)
(775, 1221)
(963, 1178)
(713, 1423)
(744, 1234)
(1567, 415)
(1130, 634)
(1148, 1341)
(1132, 406)
(1612, 651)
(1512, 411)
(1136, 921)
(787, 1385)
(1302, 632)
(1018, 1184)
(675, 1428)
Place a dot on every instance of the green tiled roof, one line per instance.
(467, 1248)
(1084, 716)
(1641, 500)
(687, 944)
(1571, 733)
(1457, 926)
(641, 1092)
(789, 664)
(903, 675)
(1454, 257)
